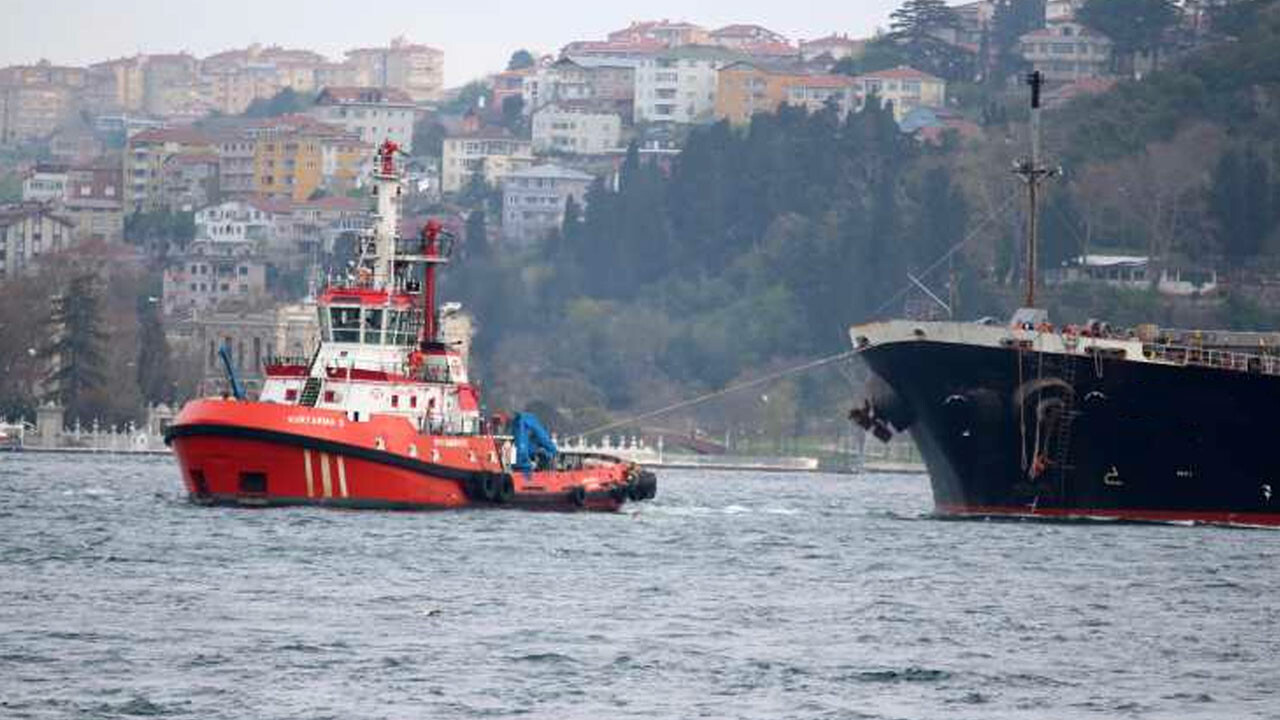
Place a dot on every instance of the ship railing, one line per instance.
(1213, 358)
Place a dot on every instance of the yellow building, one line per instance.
(907, 88)
(145, 155)
(744, 89)
(288, 157)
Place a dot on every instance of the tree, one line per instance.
(154, 365)
(1240, 203)
(918, 28)
(1012, 19)
(468, 97)
(520, 60)
(75, 349)
(513, 117)
(428, 136)
(477, 235)
(286, 102)
(1134, 26)
(917, 19)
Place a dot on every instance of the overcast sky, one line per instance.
(477, 36)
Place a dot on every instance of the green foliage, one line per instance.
(1011, 20)
(915, 29)
(1241, 204)
(520, 60)
(10, 187)
(160, 230)
(513, 117)
(1133, 25)
(155, 374)
(75, 348)
(428, 136)
(286, 102)
(468, 97)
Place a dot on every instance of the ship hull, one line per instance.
(263, 454)
(1015, 433)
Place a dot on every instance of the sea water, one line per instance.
(731, 595)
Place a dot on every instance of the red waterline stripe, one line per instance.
(1217, 517)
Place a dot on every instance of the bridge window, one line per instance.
(372, 326)
(346, 324)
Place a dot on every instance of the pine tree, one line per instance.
(75, 348)
(917, 19)
(1134, 26)
(154, 367)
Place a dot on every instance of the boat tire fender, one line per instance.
(506, 488)
(578, 495)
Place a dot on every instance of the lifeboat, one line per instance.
(382, 414)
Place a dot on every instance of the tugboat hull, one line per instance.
(261, 454)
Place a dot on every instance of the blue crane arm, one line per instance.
(237, 390)
(532, 440)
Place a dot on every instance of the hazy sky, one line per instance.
(477, 36)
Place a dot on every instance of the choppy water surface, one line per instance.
(731, 595)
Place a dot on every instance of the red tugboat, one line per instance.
(383, 415)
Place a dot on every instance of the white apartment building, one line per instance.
(375, 114)
(679, 85)
(45, 183)
(493, 153)
(533, 201)
(1067, 52)
(223, 263)
(569, 129)
(27, 231)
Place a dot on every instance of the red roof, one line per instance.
(274, 205)
(185, 135)
(902, 72)
(828, 81)
(341, 203)
(336, 95)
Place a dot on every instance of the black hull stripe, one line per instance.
(520, 501)
(329, 446)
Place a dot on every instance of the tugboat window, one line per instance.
(346, 324)
(372, 326)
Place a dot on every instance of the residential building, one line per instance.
(145, 156)
(94, 200)
(222, 264)
(45, 183)
(836, 47)
(679, 85)
(664, 32)
(1061, 10)
(608, 85)
(230, 88)
(287, 156)
(345, 159)
(28, 231)
(611, 50)
(169, 83)
(116, 86)
(312, 227)
(534, 199)
(235, 165)
(905, 87)
(190, 181)
(493, 153)
(32, 111)
(1136, 272)
(816, 92)
(375, 114)
(418, 70)
(973, 20)
(1065, 51)
(510, 83)
(743, 37)
(74, 143)
(570, 128)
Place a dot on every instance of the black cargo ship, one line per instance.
(1033, 420)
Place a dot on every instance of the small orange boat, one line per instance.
(383, 414)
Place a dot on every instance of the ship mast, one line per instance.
(1033, 173)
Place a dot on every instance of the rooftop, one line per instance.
(340, 95)
(554, 172)
(902, 72)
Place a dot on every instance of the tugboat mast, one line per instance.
(1033, 173)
